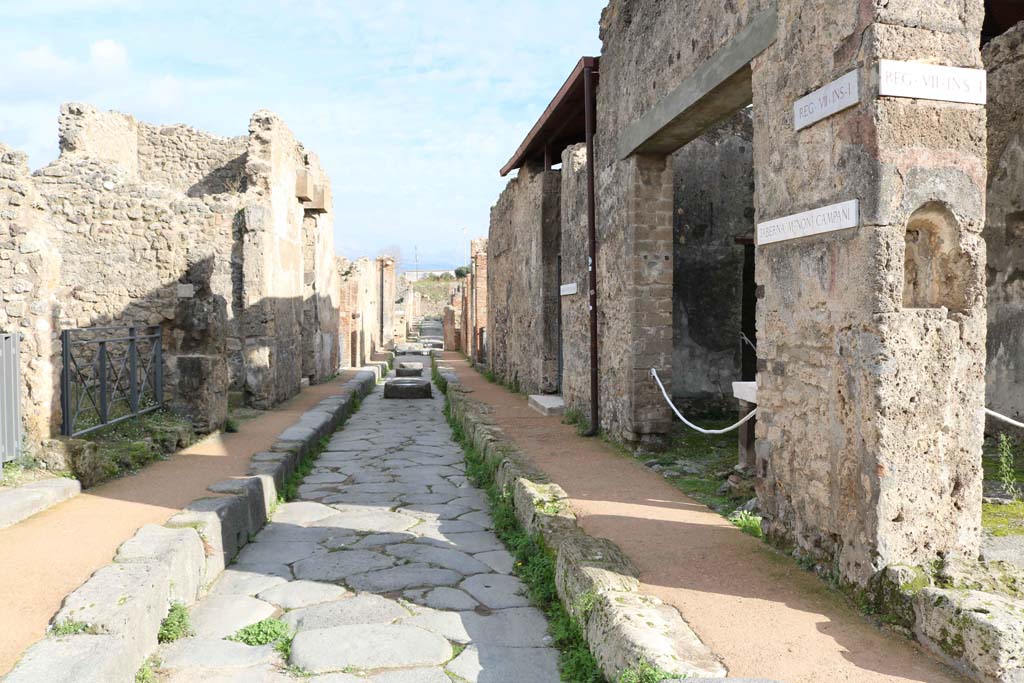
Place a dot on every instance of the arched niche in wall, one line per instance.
(934, 266)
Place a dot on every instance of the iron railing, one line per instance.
(108, 375)
(10, 397)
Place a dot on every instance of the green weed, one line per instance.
(535, 565)
(643, 672)
(175, 625)
(70, 628)
(267, 632)
(1007, 471)
(747, 522)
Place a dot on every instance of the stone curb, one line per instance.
(596, 582)
(17, 504)
(124, 603)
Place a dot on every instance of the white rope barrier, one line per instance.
(654, 374)
(1003, 418)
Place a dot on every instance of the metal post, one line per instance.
(158, 361)
(589, 106)
(66, 416)
(102, 374)
(133, 371)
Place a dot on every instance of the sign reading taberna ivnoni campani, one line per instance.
(814, 222)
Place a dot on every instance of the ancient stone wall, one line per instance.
(575, 308)
(360, 310)
(201, 236)
(713, 181)
(389, 292)
(477, 305)
(870, 340)
(522, 260)
(1004, 226)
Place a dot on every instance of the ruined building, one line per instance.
(796, 197)
(222, 245)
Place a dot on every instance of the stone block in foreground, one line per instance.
(407, 387)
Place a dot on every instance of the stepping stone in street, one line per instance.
(408, 372)
(407, 387)
(480, 664)
(295, 594)
(372, 646)
(497, 591)
(365, 608)
(339, 565)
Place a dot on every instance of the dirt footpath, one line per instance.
(754, 607)
(47, 556)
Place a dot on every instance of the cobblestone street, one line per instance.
(384, 566)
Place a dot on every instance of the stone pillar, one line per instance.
(388, 284)
(871, 340)
(450, 333)
(634, 287)
(478, 304)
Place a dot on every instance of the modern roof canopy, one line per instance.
(563, 123)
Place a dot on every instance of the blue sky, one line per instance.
(412, 106)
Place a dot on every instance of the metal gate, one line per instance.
(10, 397)
(109, 374)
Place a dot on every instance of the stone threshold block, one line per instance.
(24, 501)
(407, 387)
(408, 372)
(547, 404)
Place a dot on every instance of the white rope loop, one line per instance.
(748, 416)
(1004, 418)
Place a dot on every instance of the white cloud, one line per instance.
(108, 56)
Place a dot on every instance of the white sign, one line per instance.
(814, 222)
(931, 82)
(838, 95)
(567, 289)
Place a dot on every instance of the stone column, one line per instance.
(634, 287)
(871, 340)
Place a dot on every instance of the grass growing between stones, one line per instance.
(147, 672)
(267, 632)
(435, 374)
(534, 564)
(645, 673)
(176, 624)
(131, 445)
(70, 628)
(291, 486)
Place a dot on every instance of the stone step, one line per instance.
(547, 404)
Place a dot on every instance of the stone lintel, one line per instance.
(718, 87)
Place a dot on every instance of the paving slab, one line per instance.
(365, 608)
(294, 594)
(220, 616)
(214, 653)
(497, 591)
(339, 565)
(372, 646)
(487, 663)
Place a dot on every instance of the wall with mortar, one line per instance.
(478, 306)
(360, 310)
(1004, 226)
(871, 341)
(713, 188)
(522, 259)
(165, 225)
